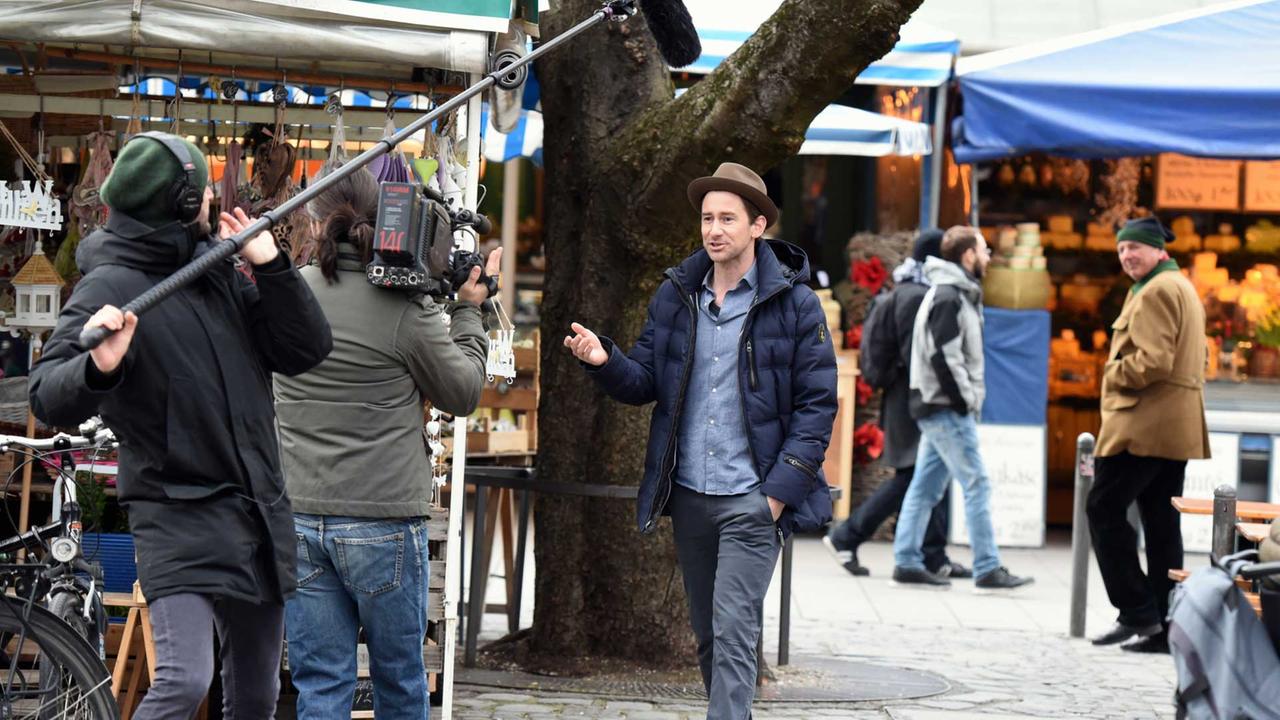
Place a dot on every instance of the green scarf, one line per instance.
(1162, 266)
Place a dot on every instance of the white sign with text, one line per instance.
(1202, 477)
(1015, 459)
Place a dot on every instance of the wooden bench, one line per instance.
(1245, 586)
(1245, 509)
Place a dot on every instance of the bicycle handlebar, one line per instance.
(92, 434)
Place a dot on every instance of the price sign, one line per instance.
(1188, 183)
(1262, 187)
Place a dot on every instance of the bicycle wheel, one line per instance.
(49, 671)
(68, 606)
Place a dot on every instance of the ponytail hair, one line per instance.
(346, 213)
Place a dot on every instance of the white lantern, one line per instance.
(37, 292)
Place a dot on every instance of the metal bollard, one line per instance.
(1224, 521)
(1080, 533)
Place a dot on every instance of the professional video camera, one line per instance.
(413, 244)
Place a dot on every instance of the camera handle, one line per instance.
(614, 10)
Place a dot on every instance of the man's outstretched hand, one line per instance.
(586, 346)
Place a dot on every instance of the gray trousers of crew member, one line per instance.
(728, 546)
(251, 637)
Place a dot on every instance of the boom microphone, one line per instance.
(673, 29)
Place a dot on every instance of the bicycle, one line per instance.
(52, 622)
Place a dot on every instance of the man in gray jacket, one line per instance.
(947, 390)
(357, 469)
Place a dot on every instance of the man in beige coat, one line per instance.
(1152, 423)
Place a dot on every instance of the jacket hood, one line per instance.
(779, 265)
(911, 271)
(943, 272)
(132, 243)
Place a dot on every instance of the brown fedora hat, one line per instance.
(739, 180)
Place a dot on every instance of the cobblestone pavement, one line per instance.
(1004, 657)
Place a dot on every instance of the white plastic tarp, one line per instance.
(243, 27)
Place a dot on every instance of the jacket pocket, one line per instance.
(1119, 401)
(801, 466)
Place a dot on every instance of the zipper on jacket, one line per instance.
(801, 467)
(744, 342)
(665, 473)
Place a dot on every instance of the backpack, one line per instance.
(879, 360)
(1227, 666)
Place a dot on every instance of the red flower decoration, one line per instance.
(864, 392)
(869, 274)
(853, 338)
(868, 443)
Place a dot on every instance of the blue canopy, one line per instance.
(1203, 83)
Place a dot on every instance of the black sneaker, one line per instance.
(846, 556)
(919, 577)
(999, 579)
(954, 570)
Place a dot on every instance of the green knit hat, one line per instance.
(1147, 230)
(140, 182)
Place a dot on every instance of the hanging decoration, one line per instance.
(391, 167)
(501, 362)
(30, 206)
(1118, 200)
(85, 206)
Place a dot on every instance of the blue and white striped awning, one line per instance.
(842, 130)
(837, 130)
(525, 140)
(924, 56)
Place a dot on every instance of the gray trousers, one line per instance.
(250, 638)
(728, 546)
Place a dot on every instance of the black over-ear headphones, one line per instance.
(185, 197)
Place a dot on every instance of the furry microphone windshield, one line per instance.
(673, 29)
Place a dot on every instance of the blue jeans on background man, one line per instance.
(358, 573)
(948, 448)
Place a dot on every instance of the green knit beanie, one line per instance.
(1147, 230)
(141, 181)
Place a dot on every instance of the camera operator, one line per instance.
(187, 390)
(356, 466)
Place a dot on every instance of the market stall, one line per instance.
(1174, 116)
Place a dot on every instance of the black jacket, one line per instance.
(191, 403)
(901, 434)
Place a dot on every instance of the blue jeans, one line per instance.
(358, 573)
(948, 448)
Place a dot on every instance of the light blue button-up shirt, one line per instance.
(713, 454)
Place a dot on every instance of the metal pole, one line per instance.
(934, 162)
(1080, 533)
(1224, 521)
(784, 619)
(89, 339)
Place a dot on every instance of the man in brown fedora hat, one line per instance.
(737, 356)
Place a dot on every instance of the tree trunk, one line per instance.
(619, 152)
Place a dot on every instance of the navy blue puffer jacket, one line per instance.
(786, 373)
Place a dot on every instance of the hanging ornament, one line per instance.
(501, 361)
(30, 206)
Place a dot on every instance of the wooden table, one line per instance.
(1245, 509)
(1253, 532)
